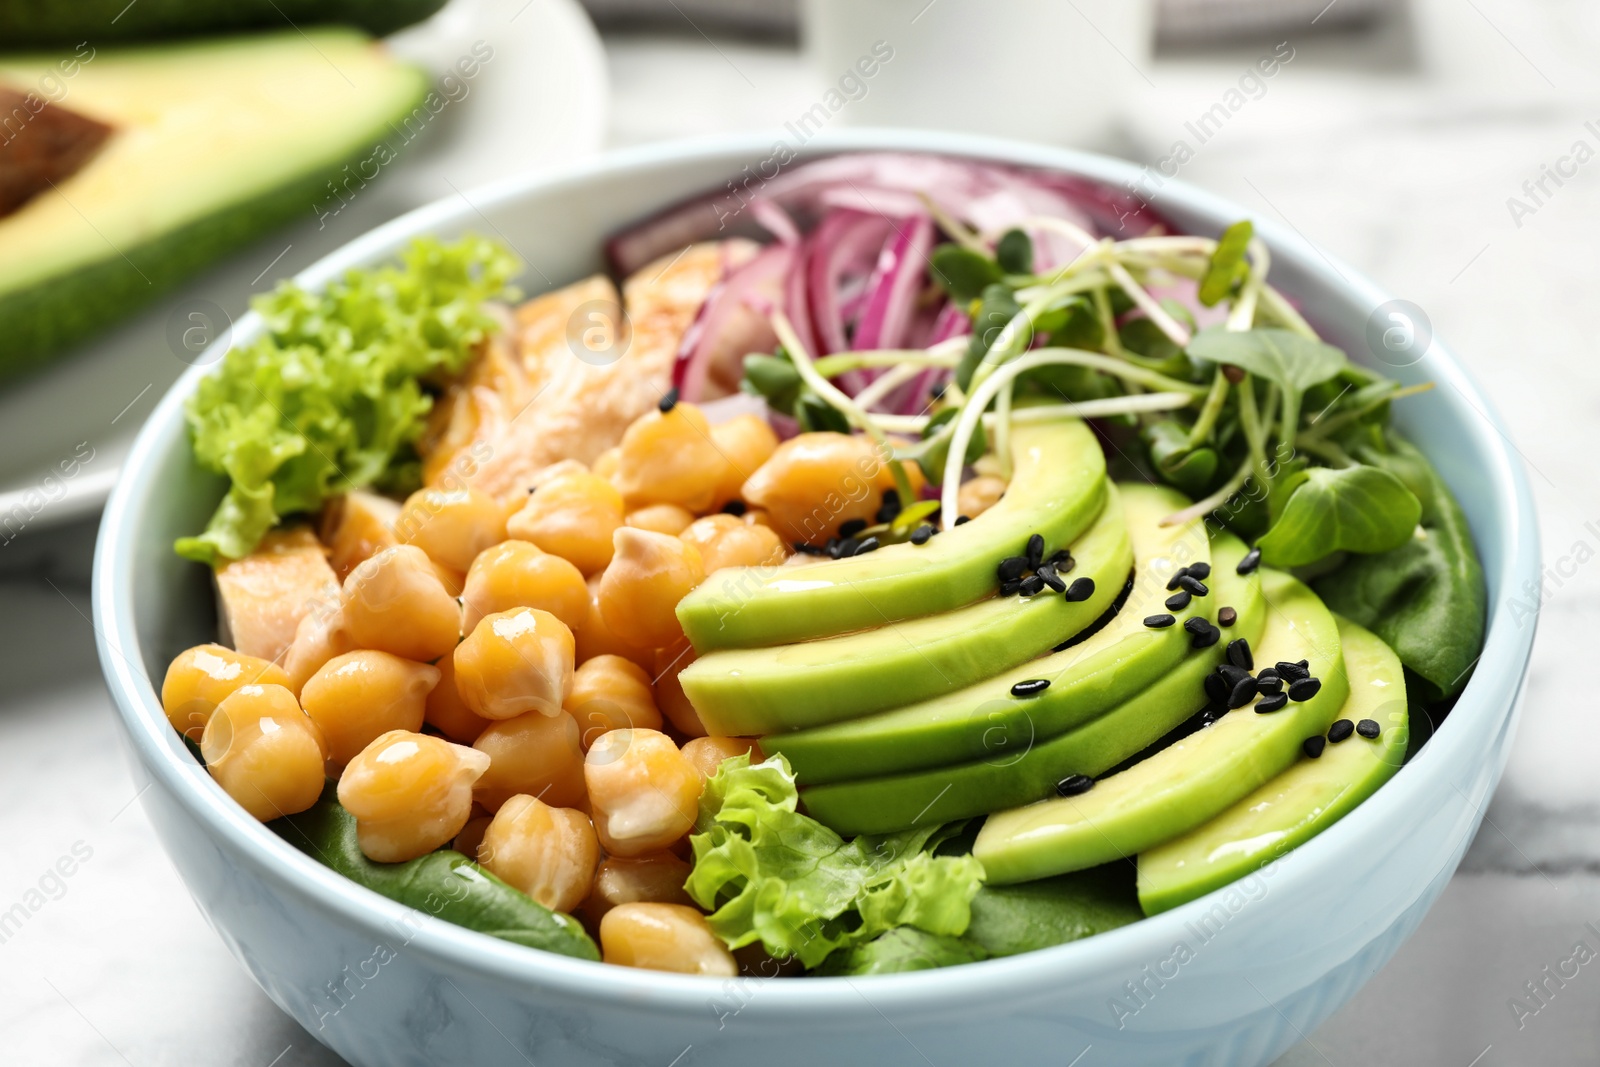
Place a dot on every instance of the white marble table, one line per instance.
(1393, 170)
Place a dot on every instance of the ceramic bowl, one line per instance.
(1232, 979)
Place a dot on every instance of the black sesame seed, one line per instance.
(1268, 674)
(1035, 550)
(1304, 688)
(1193, 585)
(1081, 589)
(1074, 785)
(921, 534)
(1011, 568)
(1178, 601)
(832, 548)
(848, 547)
(1271, 686)
(1061, 560)
(1341, 731)
(1196, 625)
(1159, 622)
(937, 392)
(1206, 638)
(852, 527)
(1048, 575)
(1227, 617)
(890, 510)
(1231, 674)
(1252, 560)
(1239, 654)
(1010, 588)
(1217, 689)
(960, 519)
(734, 507)
(1243, 693)
(669, 400)
(1031, 688)
(1291, 671)
(1270, 703)
(1032, 585)
(1314, 746)
(1177, 578)
(806, 549)
(1368, 728)
(1199, 570)
(867, 545)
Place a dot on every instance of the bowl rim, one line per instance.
(1485, 707)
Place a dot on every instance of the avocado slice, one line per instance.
(1008, 778)
(1086, 679)
(1301, 802)
(1190, 781)
(26, 23)
(750, 691)
(1057, 488)
(212, 143)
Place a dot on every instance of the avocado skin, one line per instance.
(41, 319)
(944, 794)
(24, 23)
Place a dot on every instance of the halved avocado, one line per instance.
(1057, 488)
(212, 143)
(1301, 802)
(25, 23)
(742, 692)
(1191, 780)
(1029, 771)
(1087, 679)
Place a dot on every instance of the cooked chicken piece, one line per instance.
(356, 527)
(262, 597)
(581, 372)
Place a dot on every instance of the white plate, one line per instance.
(539, 99)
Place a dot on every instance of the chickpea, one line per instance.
(660, 518)
(664, 937)
(978, 495)
(669, 458)
(572, 515)
(519, 574)
(656, 877)
(451, 525)
(639, 592)
(611, 693)
(815, 482)
(264, 752)
(360, 695)
(548, 853)
(320, 636)
(357, 526)
(395, 602)
(410, 793)
(446, 712)
(670, 697)
(515, 661)
(706, 754)
(201, 677)
(745, 443)
(594, 637)
(644, 793)
(729, 541)
(607, 463)
(535, 754)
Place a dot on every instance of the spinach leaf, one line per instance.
(1426, 598)
(963, 273)
(1009, 919)
(774, 379)
(905, 948)
(1190, 471)
(1281, 356)
(1014, 252)
(1350, 509)
(1227, 267)
(444, 884)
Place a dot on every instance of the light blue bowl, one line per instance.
(1232, 979)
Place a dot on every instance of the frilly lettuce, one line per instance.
(781, 878)
(331, 396)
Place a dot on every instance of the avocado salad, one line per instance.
(902, 562)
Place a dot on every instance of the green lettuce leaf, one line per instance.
(331, 397)
(901, 950)
(770, 874)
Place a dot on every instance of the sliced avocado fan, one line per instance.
(985, 721)
(1304, 800)
(753, 691)
(1057, 489)
(25, 23)
(1191, 780)
(211, 144)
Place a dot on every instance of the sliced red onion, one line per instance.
(727, 408)
(733, 322)
(892, 291)
(845, 242)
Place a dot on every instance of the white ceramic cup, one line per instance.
(1046, 70)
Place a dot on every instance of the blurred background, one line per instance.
(1444, 147)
